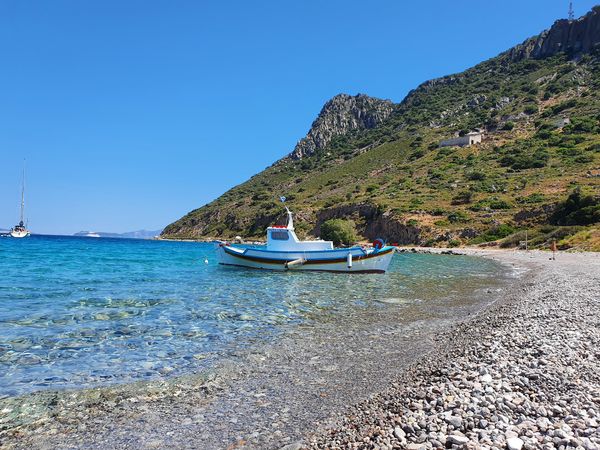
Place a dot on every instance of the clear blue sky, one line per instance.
(132, 113)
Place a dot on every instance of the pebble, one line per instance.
(293, 446)
(455, 421)
(457, 439)
(514, 443)
(487, 378)
(399, 433)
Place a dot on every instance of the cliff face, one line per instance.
(371, 223)
(340, 115)
(574, 37)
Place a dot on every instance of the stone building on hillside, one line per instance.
(475, 137)
(562, 122)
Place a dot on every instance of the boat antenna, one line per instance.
(571, 13)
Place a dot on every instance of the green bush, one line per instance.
(499, 204)
(543, 134)
(333, 201)
(453, 243)
(593, 148)
(339, 231)
(514, 239)
(577, 209)
(262, 196)
(415, 203)
(494, 233)
(570, 151)
(444, 151)
(560, 107)
(520, 160)
(508, 126)
(462, 198)
(458, 217)
(530, 109)
(536, 197)
(476, 176)
(417, 154)
(582, 125)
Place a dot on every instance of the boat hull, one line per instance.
(362, 261)
(19, 234)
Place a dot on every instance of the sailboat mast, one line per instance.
(23, 194)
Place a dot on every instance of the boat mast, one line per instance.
(290, 224)
(23, 195)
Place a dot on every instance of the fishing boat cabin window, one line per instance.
(280, 235)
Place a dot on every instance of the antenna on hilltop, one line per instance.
(571, 13)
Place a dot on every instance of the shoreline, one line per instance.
(118, 416)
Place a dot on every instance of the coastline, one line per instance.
(178, 413)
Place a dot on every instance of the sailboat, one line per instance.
(20, 230)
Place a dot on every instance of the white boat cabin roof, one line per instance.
(282, 238)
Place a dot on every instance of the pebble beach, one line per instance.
(521, 372)
(524, 374)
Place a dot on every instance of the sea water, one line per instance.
(80, 312)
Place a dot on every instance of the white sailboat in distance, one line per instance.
(20, 230)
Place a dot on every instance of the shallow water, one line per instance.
(79, 312)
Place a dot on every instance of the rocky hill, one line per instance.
(380, 164)
(574, 37)
(341, 115)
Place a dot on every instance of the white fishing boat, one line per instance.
(284, 251)
(20, 230)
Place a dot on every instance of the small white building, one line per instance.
(474, 137)
(562, 122)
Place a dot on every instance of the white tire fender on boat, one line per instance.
(349, 260)
(295, 262)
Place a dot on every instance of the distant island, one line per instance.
(140, 234)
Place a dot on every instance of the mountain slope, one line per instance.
(380, 163)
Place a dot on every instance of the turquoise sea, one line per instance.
(79, 312)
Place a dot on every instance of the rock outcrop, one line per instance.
(340, 115)
(574, 37)
(371, 223)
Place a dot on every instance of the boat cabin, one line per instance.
(282, 238)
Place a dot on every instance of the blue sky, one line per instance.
(132, 113)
